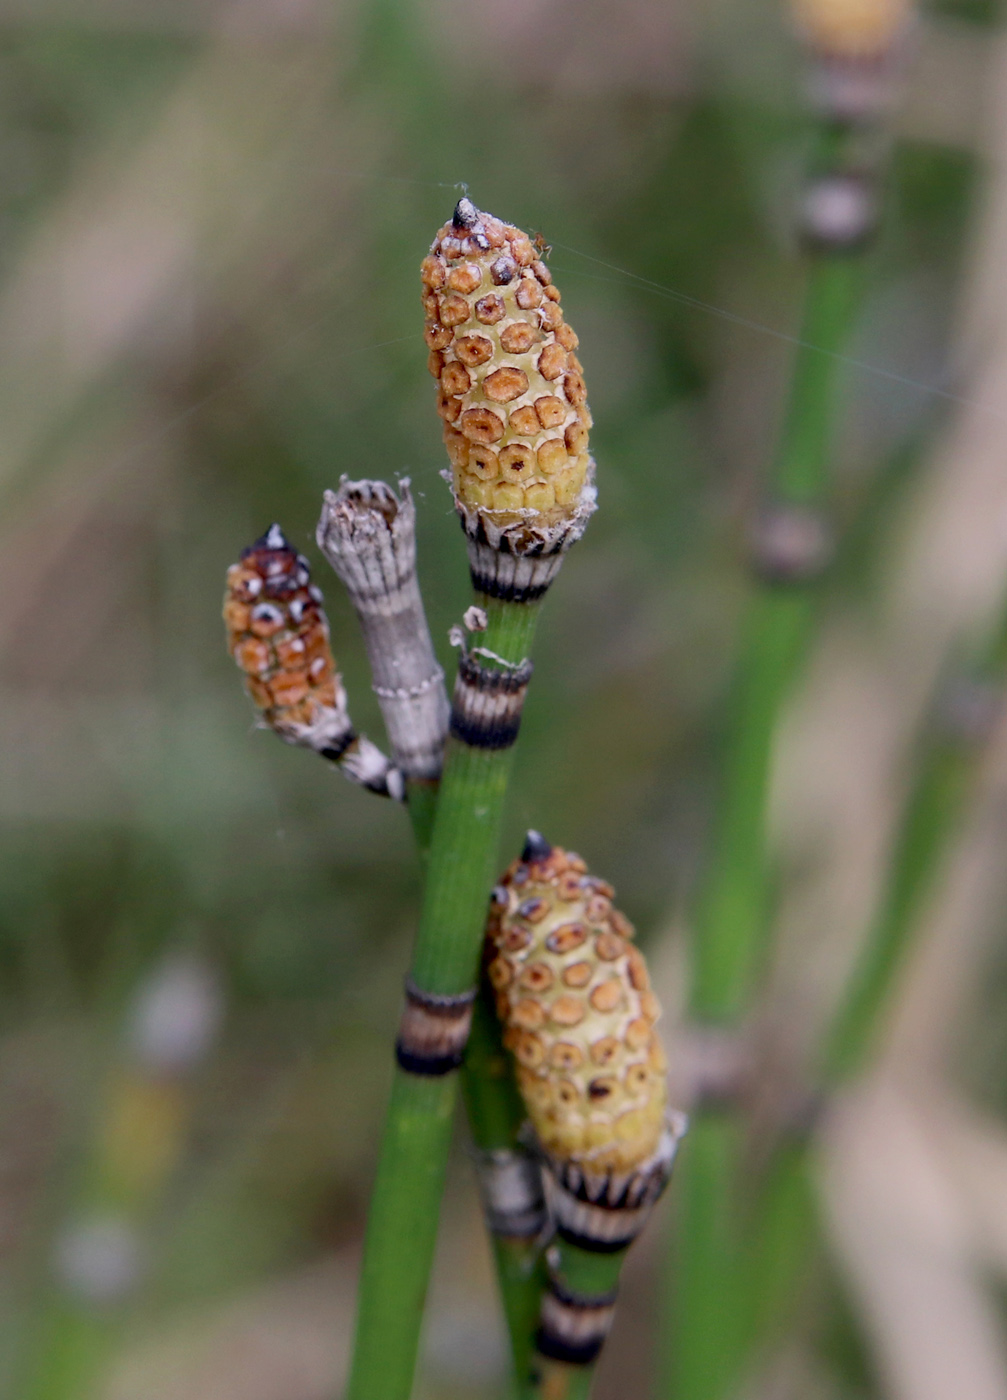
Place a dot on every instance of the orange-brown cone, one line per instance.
(511, 389)
(278, 634)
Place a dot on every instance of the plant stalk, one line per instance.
(368, 534)
(402, 1222)
(787, 1215)
(496, 1113)
(584, 1274)
(732, 925)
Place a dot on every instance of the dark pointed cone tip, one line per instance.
(466, 215)
(536, 848)
(274, 538)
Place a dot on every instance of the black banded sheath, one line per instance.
(511, 577)
(487, 702)
(604, 1214)
(433, 1031)
(510, 1182)
(573, 1326)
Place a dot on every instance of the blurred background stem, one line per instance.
(931, 815)
(732, 922)
(785, 1222)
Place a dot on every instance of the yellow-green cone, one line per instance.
(575, 998)
(512, 393)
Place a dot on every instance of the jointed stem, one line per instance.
(780, 1251)
(496, 1113)
(586, 1274)
(402, 1222)
(733, 919)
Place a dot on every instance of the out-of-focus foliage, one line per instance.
(211, 221)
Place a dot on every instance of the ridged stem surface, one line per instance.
(421, 800)
(402, 1221)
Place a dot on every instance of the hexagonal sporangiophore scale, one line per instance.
(575, 998)
(278, 634)
(512, 393)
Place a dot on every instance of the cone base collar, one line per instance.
(604, 1212)
(516, 556)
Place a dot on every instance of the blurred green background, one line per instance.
(211, 223)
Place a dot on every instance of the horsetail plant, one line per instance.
(511, 395)
(512, 398)
(368, 535)
(853, 46)
(574, 995)
(966, 708)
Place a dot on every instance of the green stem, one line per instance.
(588, 1274)
(421, 799)
(402, 1222)
(496, 1113)
(780, 1247)
(733, 914)
(732, 918)
(785, 1218)
(700, 1350)
(802, 468)
(732, 925)
(931, 814)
